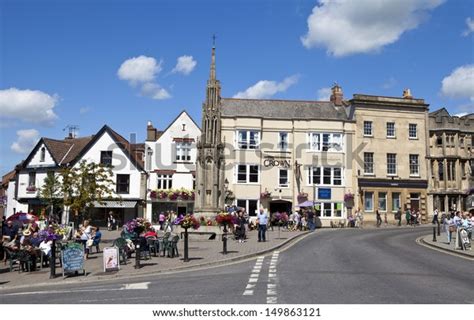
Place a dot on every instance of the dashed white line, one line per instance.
(272, 278)
(249, 289)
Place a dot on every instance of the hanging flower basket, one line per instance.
(349, 199)
(53, 232)
(189, 221)
(136, 226)
(280, 218)
(225, 218)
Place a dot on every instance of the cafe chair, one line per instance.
(121, 244)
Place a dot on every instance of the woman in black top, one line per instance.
(241, 221)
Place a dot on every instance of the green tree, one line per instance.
(86, 184)
(50, 192)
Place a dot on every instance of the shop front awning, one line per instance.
(115, 204)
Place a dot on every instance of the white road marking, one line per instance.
(271, 300)
(127, 286)
(272, 279)
(271, 292)
(136, 286)
(253, 277)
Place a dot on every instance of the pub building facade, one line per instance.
(280, 153)
(390, 161)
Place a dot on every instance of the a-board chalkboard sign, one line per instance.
(72, 257)
(111, 259)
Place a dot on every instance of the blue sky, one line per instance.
(60, 60)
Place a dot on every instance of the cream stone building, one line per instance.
(451, 161)
(279, 153)
(390, 165)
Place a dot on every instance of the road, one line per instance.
(343, 266)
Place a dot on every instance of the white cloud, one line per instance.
(84, 110)
(460, 83)
(389, 83)
(154, 91)
(28, 105)
(470, 27)
(26, 140)
(346, 27)
(462, 114)
(185, 65)
(324, 94)
(139, 69)
(266, 89)
(142, 71)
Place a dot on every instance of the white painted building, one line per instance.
(170, 161)
(110, 148)
(49, 156)
(9, 205)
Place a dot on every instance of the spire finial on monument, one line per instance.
(212, 75)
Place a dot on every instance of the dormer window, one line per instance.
(42, 154)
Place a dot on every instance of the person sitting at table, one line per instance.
(9, 230)
(30, 253)
(151, 233)
(45, 246)
(25, 235)
(35, 239)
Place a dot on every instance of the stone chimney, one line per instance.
(336, 95)
(407, 94)
(150, 132)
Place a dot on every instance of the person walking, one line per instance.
(435, 217)
(310, 222)
(161, 220)
(360, 218)
(385, 219)
(240, 229)
(111, 222)
(408, 216)
(262, 219)
(398, 217)
(450, 227)
(379, 218)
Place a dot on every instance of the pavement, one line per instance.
(202, 253)
(442, 243)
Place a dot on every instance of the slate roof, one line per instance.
(7, 177)
(129, 148)
(282, 109)
(65, 151)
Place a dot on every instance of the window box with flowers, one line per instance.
(172, 195)
(31, 189)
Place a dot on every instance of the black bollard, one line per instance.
(186, 248)
(224, 240)
(434, 234)
(137, 255)
(439, 229)
(52, 261)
